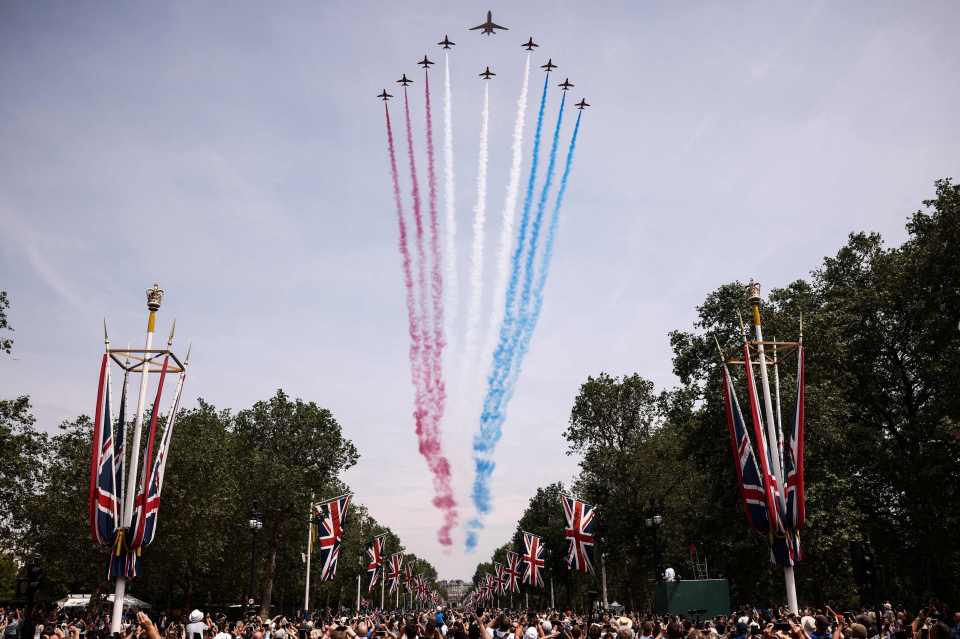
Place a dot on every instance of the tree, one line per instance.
(6, 343)
(289, 450)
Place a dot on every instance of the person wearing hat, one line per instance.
(197, 628)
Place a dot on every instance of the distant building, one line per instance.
(456, 589)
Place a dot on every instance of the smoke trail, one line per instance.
(429, 441)
(534, 316)
(453, 283)
(509, 213)
(490, 418)
(479, 224)
(436, 294)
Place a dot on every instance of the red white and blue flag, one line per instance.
(752, 492)
(795, 514)
(579, 533)
(104, 498)
(395, 573)
(498, 585)
(511, 573)
(332, 517)
(375, 560)
(408, 579)
(533, 560)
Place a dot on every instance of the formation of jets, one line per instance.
(487, 28)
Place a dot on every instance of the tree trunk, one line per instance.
(267, 592)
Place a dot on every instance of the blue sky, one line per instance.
(234, 152)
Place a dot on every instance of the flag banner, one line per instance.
(511, 572)
(375, 560)
(103, 499)
(579, 533)
(119, 448)
(764, 452)
(498, 578)
(795, 514)
(142, 508)
(395, 573)
(332, 516)
(408, 578)
(533, 560)
(748, 473)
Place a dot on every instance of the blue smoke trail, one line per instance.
(491, 419)
(531, 321)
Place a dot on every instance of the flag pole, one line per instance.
(776, 392)
(154, 299)
(772, 439)
(383, 585)
(306, 588)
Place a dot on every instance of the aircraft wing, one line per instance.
(479, 26)
(497, 26)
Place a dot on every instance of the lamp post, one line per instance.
(255, 523)
(653, 521)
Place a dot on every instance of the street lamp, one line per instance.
(255, 523)
(653, 521)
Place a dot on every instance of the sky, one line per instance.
(235, 153)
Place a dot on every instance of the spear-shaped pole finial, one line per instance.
(173, 330)
(719, 350)
(106, 338)
(801, 326)
(186, 360)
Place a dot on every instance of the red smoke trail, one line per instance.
(427, 431)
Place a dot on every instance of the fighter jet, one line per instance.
(566, 84)
(384, 96)
(488, 26)
(404, 81)
(582, 104)
(425, 63)
(529, 44)
(445, 43)
(549, 66)
(486, 75)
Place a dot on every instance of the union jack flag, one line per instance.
(408, 579)
(795, 515)
(103, 500)
(533, 560)
(752, 492)
(579, 533)
(395, 574)
(511, 573)
(375, 563)
(332, 515)
(498, 586)
(771, 489)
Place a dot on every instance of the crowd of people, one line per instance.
(935, 621)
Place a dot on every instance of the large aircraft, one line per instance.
(549, 66)
(529, 44)
(404, 81)
(425, 63)
(445, 43)
(566, 84)
(582, 104)
(486, 75)
(488, 26)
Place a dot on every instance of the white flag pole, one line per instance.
(772, 439)
(154, 299)
(306, 588)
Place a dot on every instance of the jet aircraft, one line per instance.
(486, 75)
(566, 84)
(549, 66)
(529, 44)
(445, 43)
(582, 104)
(404, 81)
(425, 63)
(489, 26)
(384, 96)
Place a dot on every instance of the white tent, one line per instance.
(82, 601)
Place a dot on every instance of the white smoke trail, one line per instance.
(452, 279)
(479, 232)
(506, 230)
